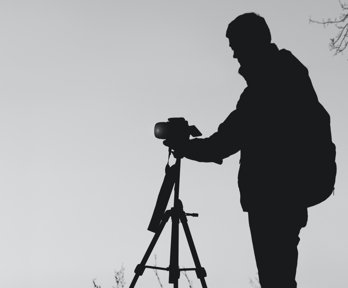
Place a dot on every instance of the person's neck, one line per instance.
(261, 61)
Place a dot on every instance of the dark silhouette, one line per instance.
(160, 218)
(287, 159)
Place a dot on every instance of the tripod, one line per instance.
(177, 214)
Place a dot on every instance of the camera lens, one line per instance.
(162, 130)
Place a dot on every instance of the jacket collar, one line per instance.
(261, 66)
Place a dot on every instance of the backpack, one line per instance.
(320, 167)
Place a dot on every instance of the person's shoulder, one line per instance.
(290, 61)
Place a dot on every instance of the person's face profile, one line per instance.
(241, 52)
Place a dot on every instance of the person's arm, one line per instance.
(223, 143)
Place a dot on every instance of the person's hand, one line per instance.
(178, 147)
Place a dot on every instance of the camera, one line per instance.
(176, 129)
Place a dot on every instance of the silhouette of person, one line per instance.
(272, 127)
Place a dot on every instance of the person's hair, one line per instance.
(249, 28)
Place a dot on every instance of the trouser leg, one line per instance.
(275, 238)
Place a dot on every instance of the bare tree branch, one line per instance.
(340, 42)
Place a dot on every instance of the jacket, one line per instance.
(275, 128)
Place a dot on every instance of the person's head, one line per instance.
(248, 36)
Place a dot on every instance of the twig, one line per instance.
(156, 273)
(340, 42)
(119, 278)
(95, 285)
(188, 280)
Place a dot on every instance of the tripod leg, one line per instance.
(139, 270)
(200, 271)
(174, 272)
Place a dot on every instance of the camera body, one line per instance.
(176, 130)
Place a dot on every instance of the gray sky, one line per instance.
(82, 85)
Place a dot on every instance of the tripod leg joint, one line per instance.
(201, 273)
(139, 270)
